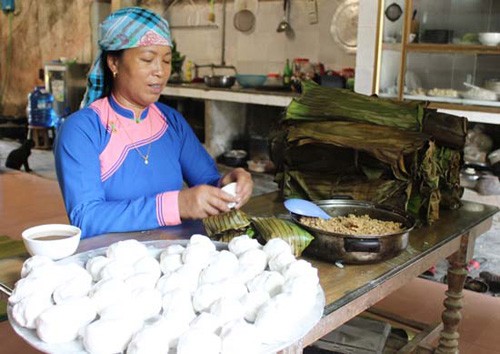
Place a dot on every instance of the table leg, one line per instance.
(457, 273)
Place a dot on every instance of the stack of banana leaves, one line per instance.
(334, 142)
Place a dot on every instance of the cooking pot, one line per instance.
(235, 158)
(224, 81)
(332, 247)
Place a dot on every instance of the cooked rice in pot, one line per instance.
(356, 225)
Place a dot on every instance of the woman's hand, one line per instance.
(202, 201)
(244, 184)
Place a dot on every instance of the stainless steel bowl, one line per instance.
(331, 247)
(224, 81)
(469, 177)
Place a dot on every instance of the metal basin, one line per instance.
(332, 247)
(224, 81)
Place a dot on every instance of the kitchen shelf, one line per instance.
(456, 104)
(470, 108)
(405, 66)
(453, 100)
(235, 94)
(396, 47)
(453, 48)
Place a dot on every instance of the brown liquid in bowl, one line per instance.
(51, 237)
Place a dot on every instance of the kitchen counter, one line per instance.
(238, 94)
(226, 109)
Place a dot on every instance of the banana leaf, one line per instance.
(449, 164)
(3, 311)
(326, 103)
(228, 235)
(388, 145)
(447, 130)
(321, 186)
(223, 227)
(327, 157)
(11, 248)
(336, 142)
(270, 227)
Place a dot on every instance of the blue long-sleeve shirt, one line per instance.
(119, 174)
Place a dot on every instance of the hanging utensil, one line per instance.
(244, 17)
(284, 25)
(244, 20)
(211, 14)
(393, 12)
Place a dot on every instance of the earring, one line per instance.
(114, 74)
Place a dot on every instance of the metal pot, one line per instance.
(235, 158)
(332, 247)
(224, 81)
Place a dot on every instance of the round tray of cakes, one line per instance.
(165, 296)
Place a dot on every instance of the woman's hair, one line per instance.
(108, 75)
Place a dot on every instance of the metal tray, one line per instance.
(155, 248)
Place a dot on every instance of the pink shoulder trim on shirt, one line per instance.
(167, 208)
(126, 134)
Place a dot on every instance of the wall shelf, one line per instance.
(452, 48)
(234, 94)
(422, 68)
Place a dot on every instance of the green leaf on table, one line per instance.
(11, 248)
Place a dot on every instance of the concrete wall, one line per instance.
(43, 30)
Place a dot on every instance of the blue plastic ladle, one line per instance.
(305, 208)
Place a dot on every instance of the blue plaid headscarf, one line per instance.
(130, 27)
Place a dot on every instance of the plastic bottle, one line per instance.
(39, 110)
(287, 74)
(189, 71)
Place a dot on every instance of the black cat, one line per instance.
(19, 157)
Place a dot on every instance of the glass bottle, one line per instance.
(287, 74)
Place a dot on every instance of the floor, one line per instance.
(481, 318)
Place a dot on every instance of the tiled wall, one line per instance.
(263, 49)
(365, 57)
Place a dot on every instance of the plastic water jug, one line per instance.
(39, 110)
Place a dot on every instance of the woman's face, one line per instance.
(141, 75)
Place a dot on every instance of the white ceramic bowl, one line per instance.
(55, 241)
(489, 38)
(493, 85)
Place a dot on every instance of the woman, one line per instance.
(121, 161)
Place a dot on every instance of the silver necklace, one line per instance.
(144, 157)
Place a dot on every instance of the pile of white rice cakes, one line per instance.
(185, 298)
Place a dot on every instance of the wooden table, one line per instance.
(355, 288)
(349, 291)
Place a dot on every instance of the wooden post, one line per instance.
(457, 273)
